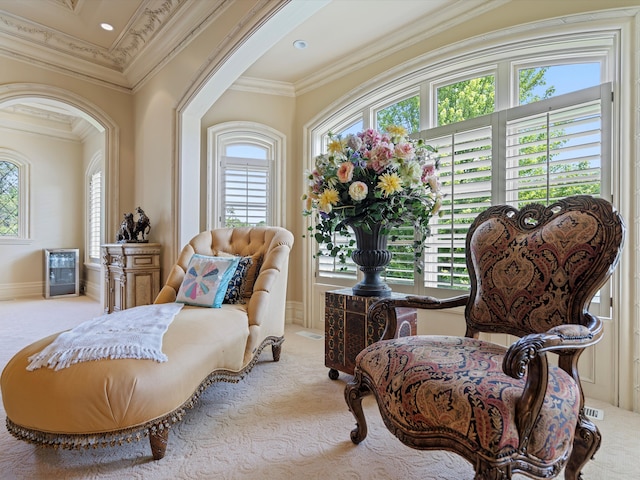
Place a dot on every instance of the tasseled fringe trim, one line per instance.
(69, 441)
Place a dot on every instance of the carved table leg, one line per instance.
(158, 441)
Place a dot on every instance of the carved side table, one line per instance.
(132, 274)
(347, 332)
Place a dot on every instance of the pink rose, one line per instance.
(345, 172)
(404, 151)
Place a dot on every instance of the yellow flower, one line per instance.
(327, 199)
(390, 183)
(336, 146)
(396, 131)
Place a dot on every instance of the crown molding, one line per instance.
(155, 28)
(262, 86)
(31, 119)
(49, 40)
(178, 31)
(18, 122)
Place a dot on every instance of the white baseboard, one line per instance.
(294, 313)
(11, 291)
(93, 291)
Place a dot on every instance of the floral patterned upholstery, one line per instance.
(533, 274)
(456, 385)
(529, 279)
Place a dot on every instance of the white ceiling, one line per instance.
(66, 35)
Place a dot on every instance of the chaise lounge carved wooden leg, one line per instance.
(585, 445)
(158, 441)
(276, 349)
(353, 394)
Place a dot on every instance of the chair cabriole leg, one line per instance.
(585, 445)
(353, 394)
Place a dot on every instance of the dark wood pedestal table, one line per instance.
(347, 332)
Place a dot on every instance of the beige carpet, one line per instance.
(287, 420)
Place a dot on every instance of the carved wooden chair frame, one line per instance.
(566, 335)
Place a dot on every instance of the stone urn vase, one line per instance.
(371, 256)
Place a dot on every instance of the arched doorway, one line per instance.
(38, 109)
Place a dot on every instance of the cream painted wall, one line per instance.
(56, 208)
(155, 113)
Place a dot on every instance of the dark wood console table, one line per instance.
(347, 333)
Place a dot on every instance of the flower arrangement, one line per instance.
(369, 179)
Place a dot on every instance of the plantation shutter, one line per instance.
(557, 152)
(95, 206)
(466, 155)
(246, 185)
(332, 266)
(538, 152)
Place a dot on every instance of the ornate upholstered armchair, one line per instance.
(533, 274)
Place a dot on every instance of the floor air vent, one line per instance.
(594, 413)
(311, 335)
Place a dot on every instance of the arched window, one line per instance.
(244, 164)
(526, 124)
(14, 195)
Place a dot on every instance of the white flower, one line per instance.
(358, 191)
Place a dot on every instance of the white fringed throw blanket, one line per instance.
(133, 333)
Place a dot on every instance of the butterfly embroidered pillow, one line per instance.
(206, 279)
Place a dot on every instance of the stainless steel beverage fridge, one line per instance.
(62, 273)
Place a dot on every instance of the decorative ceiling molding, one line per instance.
(41, 113)
(135, 53)
(34, 122)
(67, 4)
(147, 23)
(48, 39)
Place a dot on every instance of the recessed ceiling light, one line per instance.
(300, 44)
(107, 26)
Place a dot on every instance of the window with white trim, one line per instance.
(244, 161)
(14, 195)
(550, 150)
(94, 208)
(515, 131)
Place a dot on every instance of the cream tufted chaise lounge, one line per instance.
(108, 402)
